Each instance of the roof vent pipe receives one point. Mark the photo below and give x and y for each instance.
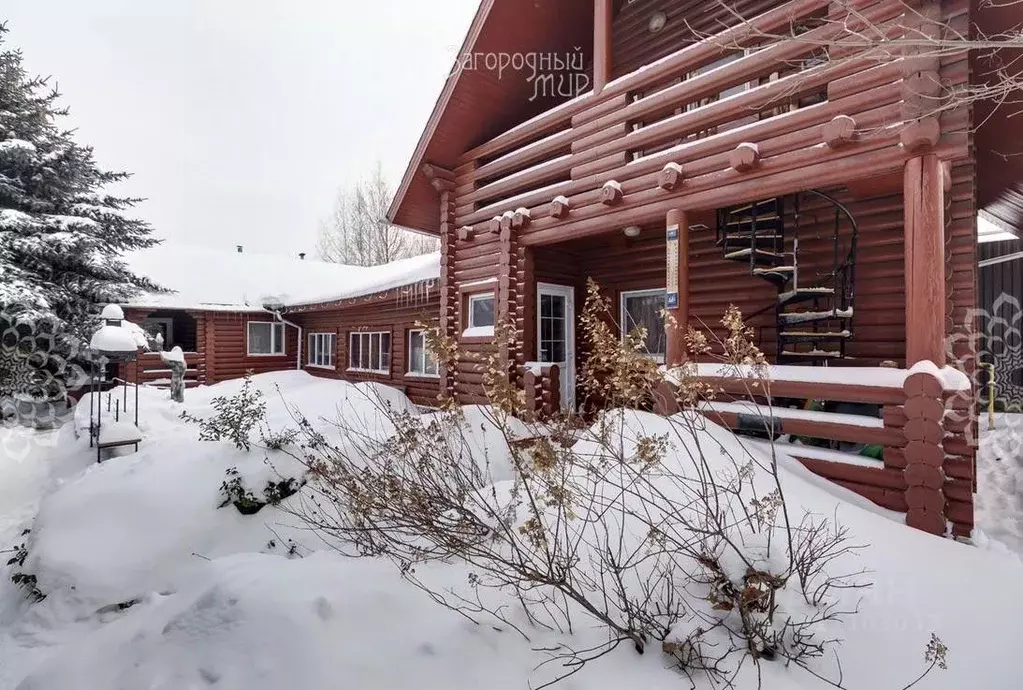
(239, 248)
(301, 255)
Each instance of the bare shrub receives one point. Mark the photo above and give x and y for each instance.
(668, 532)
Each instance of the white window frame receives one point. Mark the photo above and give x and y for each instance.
(277, 337)
(368, 335)
(319, 349)
(623, 319)
(421, 372)
(472, 329)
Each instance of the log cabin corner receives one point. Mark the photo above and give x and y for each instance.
(707, 164)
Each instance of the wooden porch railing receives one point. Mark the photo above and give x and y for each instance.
(925, 429)
(542, 388)
(665, 125)
(152, 369)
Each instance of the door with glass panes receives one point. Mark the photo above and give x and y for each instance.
(555, 334)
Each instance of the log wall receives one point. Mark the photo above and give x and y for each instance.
(226, 336)
(390, 312)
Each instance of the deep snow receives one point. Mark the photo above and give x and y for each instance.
(220, 603)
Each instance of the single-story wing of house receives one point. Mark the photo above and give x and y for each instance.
(234, 312)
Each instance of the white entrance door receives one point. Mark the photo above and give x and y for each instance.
(555, 334)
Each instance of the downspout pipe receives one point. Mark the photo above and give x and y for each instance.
(278, 317)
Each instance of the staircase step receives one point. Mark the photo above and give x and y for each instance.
(765, 206)
(812, 336)
(794, 317)
(787, 270)
(735, 241)
(760, 256)
(804, 294)
(767, 219)
(779, 276)
(811, 355)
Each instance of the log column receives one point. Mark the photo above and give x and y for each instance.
(925, 454)
(603, 17)
(677, 283)
(925, 260)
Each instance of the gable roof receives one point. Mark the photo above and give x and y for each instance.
(476, 104)
(209, 279)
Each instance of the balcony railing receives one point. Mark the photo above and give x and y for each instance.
(682, 118)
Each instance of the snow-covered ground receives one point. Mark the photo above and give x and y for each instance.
(999, 500)
(151, 586)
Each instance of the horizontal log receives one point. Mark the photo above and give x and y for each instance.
(827, 430)
(774, 177)
(869, 476)
(810, 390)
(877, 92)
(706, 50)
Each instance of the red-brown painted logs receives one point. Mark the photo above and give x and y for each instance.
(559, 208)
(927, 476)
(611, 194)
(925, 520)
(670, 177)
(839, 131)
(924, 220)
(745, 157)
(921, 134)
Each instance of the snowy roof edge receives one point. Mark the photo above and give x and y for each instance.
(383, 278)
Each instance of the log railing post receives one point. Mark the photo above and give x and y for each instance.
(925, 453)
(925, 260)
(602, 21)
(676, 299)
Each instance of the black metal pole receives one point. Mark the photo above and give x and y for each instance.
(92, 394)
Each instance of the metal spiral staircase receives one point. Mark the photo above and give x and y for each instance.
(814, 307)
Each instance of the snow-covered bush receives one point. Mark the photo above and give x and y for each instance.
(234, 492)
(234, 416)
(665, 530)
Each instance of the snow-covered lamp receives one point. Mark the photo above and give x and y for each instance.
(112, 315)
(111, 340)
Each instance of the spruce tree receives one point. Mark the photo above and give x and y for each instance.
(61, 235)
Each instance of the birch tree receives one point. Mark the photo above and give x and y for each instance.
(357, 231)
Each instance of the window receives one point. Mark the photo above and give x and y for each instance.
(321, 349)
(421, 361)
(266, 338)
(642, 309)
(481, 311)
(370, 352)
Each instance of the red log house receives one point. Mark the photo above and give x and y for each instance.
(258, 313)
(745, 152)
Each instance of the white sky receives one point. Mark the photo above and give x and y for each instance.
(241, 118)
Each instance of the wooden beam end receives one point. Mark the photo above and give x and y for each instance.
(839, 132)
(745, 157)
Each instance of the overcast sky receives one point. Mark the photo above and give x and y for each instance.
(240, 119)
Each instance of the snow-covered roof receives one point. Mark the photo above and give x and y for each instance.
(211, 279)
(378, 279)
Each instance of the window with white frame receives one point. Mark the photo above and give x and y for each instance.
(370, 352)
(642, 309)
(481, 310)
(265, 338)
(421, 360)
(321, 349)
